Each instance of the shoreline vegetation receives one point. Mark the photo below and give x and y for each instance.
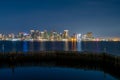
(102, 61)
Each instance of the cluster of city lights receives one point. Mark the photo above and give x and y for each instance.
(36, 35)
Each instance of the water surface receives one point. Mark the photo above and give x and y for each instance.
(36, 46)
(52, 73)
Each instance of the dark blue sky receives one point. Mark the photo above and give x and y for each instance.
(102, 17)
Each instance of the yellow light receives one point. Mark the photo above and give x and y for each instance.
(72, 39)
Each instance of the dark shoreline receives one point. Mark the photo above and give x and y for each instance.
(60, 55)
(98, 61)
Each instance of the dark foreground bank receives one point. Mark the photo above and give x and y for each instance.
(61, 56)
(102, 61)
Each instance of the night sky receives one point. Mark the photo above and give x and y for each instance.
(102, 17)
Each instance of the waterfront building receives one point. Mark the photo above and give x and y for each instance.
(32, 33)
(78, 37)
(89, 35)
(42, 35)
(20, 35)
(54, 36)
(46, 34)
(65, 35)
(1, 36)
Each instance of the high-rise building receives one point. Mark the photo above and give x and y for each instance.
(20, 35)
(78, 37)
(89, 35)
(66, 34)
(45, 34)
(42, 35)
(32, 32)
(1, 36)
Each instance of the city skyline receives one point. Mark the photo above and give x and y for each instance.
(102, 17)
(65, 35)
(42, 36)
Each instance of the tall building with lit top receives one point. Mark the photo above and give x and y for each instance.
(42, 35)
(1, 36)
(89, 35)
(78, 37)
(45, 34)
(66, 34)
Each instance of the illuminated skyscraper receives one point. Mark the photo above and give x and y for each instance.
(66, 34)
(1, 36)
(89, 35)
(78, 37)
(45, 34)
(32, 32)
(42, 35)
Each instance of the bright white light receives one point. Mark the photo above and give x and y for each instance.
(14, 39)
(78, 37)
(25, 34)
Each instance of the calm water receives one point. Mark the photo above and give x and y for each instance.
(52, 73)
(55, 73)
(29, 46)
(109, 47)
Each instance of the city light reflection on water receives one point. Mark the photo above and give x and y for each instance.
(36, 46)
(79, 46)
(52, 70)
(66, 46)
(25, 47)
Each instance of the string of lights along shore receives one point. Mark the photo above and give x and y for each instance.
(37, 35)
